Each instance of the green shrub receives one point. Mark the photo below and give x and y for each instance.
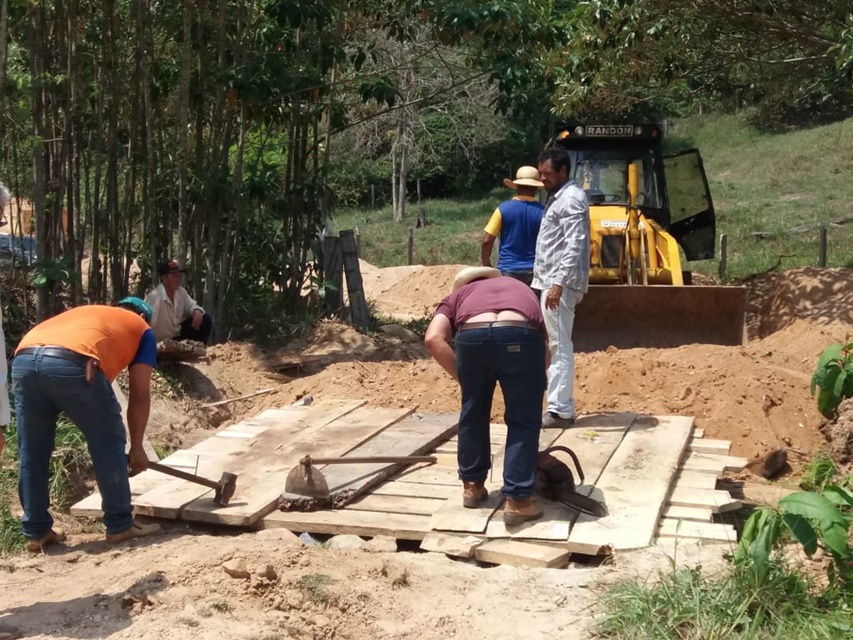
(833, 377)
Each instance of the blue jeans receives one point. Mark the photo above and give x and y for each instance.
(43, 386)
(515, 358)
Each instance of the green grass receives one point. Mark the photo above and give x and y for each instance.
(70, 465)
(316, 587)
(687, 604)
(452, 237)
(818, 473)
(760, 183)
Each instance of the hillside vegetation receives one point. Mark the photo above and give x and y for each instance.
(772, 191)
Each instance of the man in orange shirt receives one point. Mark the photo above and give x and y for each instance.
(67, 364)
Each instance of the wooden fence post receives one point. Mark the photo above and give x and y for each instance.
(411, 246)
(358, 241)
(821, 255)
(724, 241)
(333, 272)
(373, 196)
(355, 287)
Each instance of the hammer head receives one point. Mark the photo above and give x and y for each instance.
(225, 488)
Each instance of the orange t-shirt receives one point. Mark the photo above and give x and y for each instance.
(111, 335)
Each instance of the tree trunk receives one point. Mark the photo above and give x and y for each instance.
(183, 123)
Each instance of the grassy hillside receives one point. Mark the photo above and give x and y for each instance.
(766, 188)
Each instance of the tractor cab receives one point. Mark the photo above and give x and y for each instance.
(672, 190)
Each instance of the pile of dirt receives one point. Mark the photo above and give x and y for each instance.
(839, 434)
(821, 296)
(757, 396)
(408, 292)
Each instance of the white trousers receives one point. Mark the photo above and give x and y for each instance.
(561, 374)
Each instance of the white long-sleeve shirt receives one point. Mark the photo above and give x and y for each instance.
(168, 315)
(563, 245)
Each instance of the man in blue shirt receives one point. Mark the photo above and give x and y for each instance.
(517, 222)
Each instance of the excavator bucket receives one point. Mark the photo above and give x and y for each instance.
(659, 316)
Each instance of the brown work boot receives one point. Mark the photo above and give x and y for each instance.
(137, 530)
(474, 494)
(518, 511)
(54, 535)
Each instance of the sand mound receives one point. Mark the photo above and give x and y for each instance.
(822, 296)
(408, 292)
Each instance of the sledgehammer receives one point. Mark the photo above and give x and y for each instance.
(224, 488)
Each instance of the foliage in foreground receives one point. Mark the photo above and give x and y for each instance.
(833, 377)
(69, 465)
(687, 604)
(761, 596)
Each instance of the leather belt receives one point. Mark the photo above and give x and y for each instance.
(523, 324)
(56, 352)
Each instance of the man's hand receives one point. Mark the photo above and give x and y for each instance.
(552, 298)
(197, 316)
(138, 460)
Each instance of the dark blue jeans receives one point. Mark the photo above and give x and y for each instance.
(43, 386)
(515, 358)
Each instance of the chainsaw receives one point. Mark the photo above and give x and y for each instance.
(555, 481)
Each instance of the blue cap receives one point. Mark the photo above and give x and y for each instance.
(139, 305)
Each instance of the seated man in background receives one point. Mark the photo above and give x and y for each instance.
(176, 315)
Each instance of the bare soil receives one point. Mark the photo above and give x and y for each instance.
(757, 396)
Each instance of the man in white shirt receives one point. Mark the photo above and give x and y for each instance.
(176, 315)
(561, 272)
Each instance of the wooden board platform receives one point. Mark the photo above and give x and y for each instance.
(654, 473)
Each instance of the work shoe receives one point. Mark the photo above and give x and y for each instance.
(137, 530)
(54, 535)
(522, 510)
(474, 494)
(551, 420)
(8, 632)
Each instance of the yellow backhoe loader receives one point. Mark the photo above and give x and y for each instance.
(647, 209)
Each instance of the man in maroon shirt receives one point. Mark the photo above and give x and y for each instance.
(500, 337)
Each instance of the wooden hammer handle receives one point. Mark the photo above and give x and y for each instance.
(377, 459)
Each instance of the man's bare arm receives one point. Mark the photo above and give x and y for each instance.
(486, 249)
(437, 340)
(138, 409)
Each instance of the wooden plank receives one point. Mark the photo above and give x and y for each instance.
(717, 501)
(397, 504)
(360, 523)
(430, 474)
(521, 554)
(695, 480)
(716, 447)
(709, 463)
(453, 516)
(635, 483)
(414, 490)
(450, 544)
(701, 514)
(415, 435)
(702, 530)
(263, 470)
(594, 441)
(297, 425)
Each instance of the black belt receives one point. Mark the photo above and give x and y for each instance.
(523, 324)
(56, 352)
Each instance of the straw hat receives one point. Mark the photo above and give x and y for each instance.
(469, 274)
(526, 177)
